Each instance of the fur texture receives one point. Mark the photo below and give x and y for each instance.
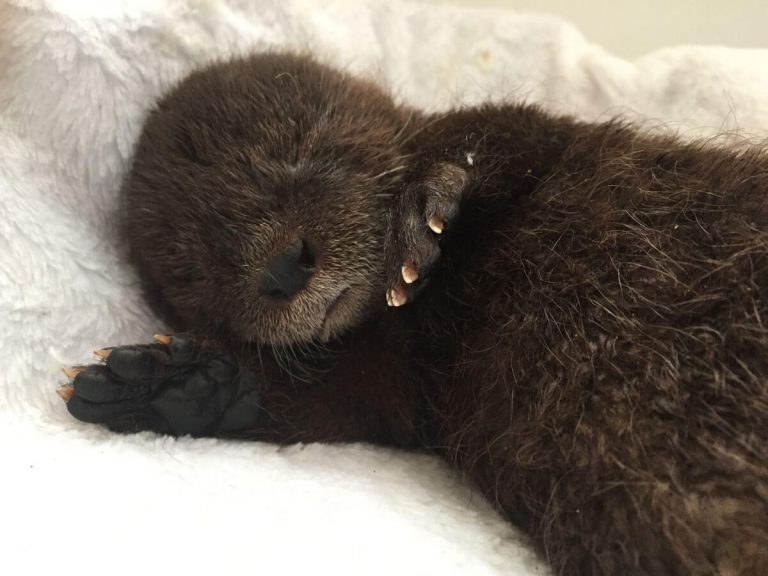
(615, 348)
(603, 373)
(77, 81)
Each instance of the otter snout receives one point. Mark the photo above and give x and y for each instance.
(288, 273)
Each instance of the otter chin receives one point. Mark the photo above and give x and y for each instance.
(316, 318)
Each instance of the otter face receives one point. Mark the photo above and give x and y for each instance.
(258, 198)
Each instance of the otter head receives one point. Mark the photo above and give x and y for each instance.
(258, 197)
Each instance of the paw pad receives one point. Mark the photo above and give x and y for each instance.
(172, 386)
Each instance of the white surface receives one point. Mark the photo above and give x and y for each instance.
(75, 80)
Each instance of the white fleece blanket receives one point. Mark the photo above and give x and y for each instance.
(75, 82)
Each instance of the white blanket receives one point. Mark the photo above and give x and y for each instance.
(75, 82)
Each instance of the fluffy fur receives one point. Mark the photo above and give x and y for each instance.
(602, 374)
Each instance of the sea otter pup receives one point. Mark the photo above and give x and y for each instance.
(572, 314)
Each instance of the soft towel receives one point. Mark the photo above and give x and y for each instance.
(76, 80)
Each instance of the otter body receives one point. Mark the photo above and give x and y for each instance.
(571, 314)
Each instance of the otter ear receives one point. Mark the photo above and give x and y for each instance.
(192, 272)
(194, 142)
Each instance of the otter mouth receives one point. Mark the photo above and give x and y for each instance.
(332, 311)
(335, 304)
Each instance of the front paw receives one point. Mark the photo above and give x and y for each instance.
(419, 219)
(173, 386)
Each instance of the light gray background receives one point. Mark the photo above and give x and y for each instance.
(632, 28)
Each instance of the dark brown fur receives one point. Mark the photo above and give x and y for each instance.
(591, 349)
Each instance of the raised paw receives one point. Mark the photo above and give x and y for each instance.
(423, 213)
(172, 386)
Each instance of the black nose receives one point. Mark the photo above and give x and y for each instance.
(288, 272)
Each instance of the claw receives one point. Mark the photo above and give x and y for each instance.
(410, 273)
(70, 371)
(103, 353)
(164, 339)
(436, 224)
(66, 392)
(396, 298)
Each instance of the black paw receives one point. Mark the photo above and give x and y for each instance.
(422, 214)
(172, 386)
